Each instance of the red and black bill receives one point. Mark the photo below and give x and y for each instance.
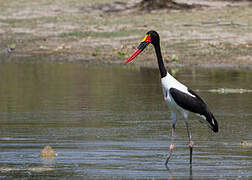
(145, 42)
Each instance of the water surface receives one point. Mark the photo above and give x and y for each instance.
(111, 122)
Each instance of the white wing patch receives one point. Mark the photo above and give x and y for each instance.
(202, 116)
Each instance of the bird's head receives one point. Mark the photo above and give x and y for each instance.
(150, 37)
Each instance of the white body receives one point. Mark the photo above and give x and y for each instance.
(170, 82)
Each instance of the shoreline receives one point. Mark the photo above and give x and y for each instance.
(214, 36)
(43, 58)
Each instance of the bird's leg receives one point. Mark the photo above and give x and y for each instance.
(171, 145)
(190, 141)
(172, 138)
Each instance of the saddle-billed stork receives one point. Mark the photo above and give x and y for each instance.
(180, 98)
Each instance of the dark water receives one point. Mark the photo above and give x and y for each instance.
(109, 122)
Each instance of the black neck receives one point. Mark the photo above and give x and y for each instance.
(161, 66)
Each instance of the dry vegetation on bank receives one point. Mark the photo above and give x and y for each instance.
(216, 32)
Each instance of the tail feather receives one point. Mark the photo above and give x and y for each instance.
(213, 124)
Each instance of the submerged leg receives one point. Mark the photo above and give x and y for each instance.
(172, 137)
(190, 141)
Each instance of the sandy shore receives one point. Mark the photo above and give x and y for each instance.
(214, 34)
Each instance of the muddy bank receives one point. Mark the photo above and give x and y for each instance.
(217, 34)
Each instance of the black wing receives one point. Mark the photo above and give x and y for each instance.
(194, 104)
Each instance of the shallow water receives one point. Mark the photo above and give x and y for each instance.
(111, 122)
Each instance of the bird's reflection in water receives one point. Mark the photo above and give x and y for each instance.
(191, 174)
(171, 177)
